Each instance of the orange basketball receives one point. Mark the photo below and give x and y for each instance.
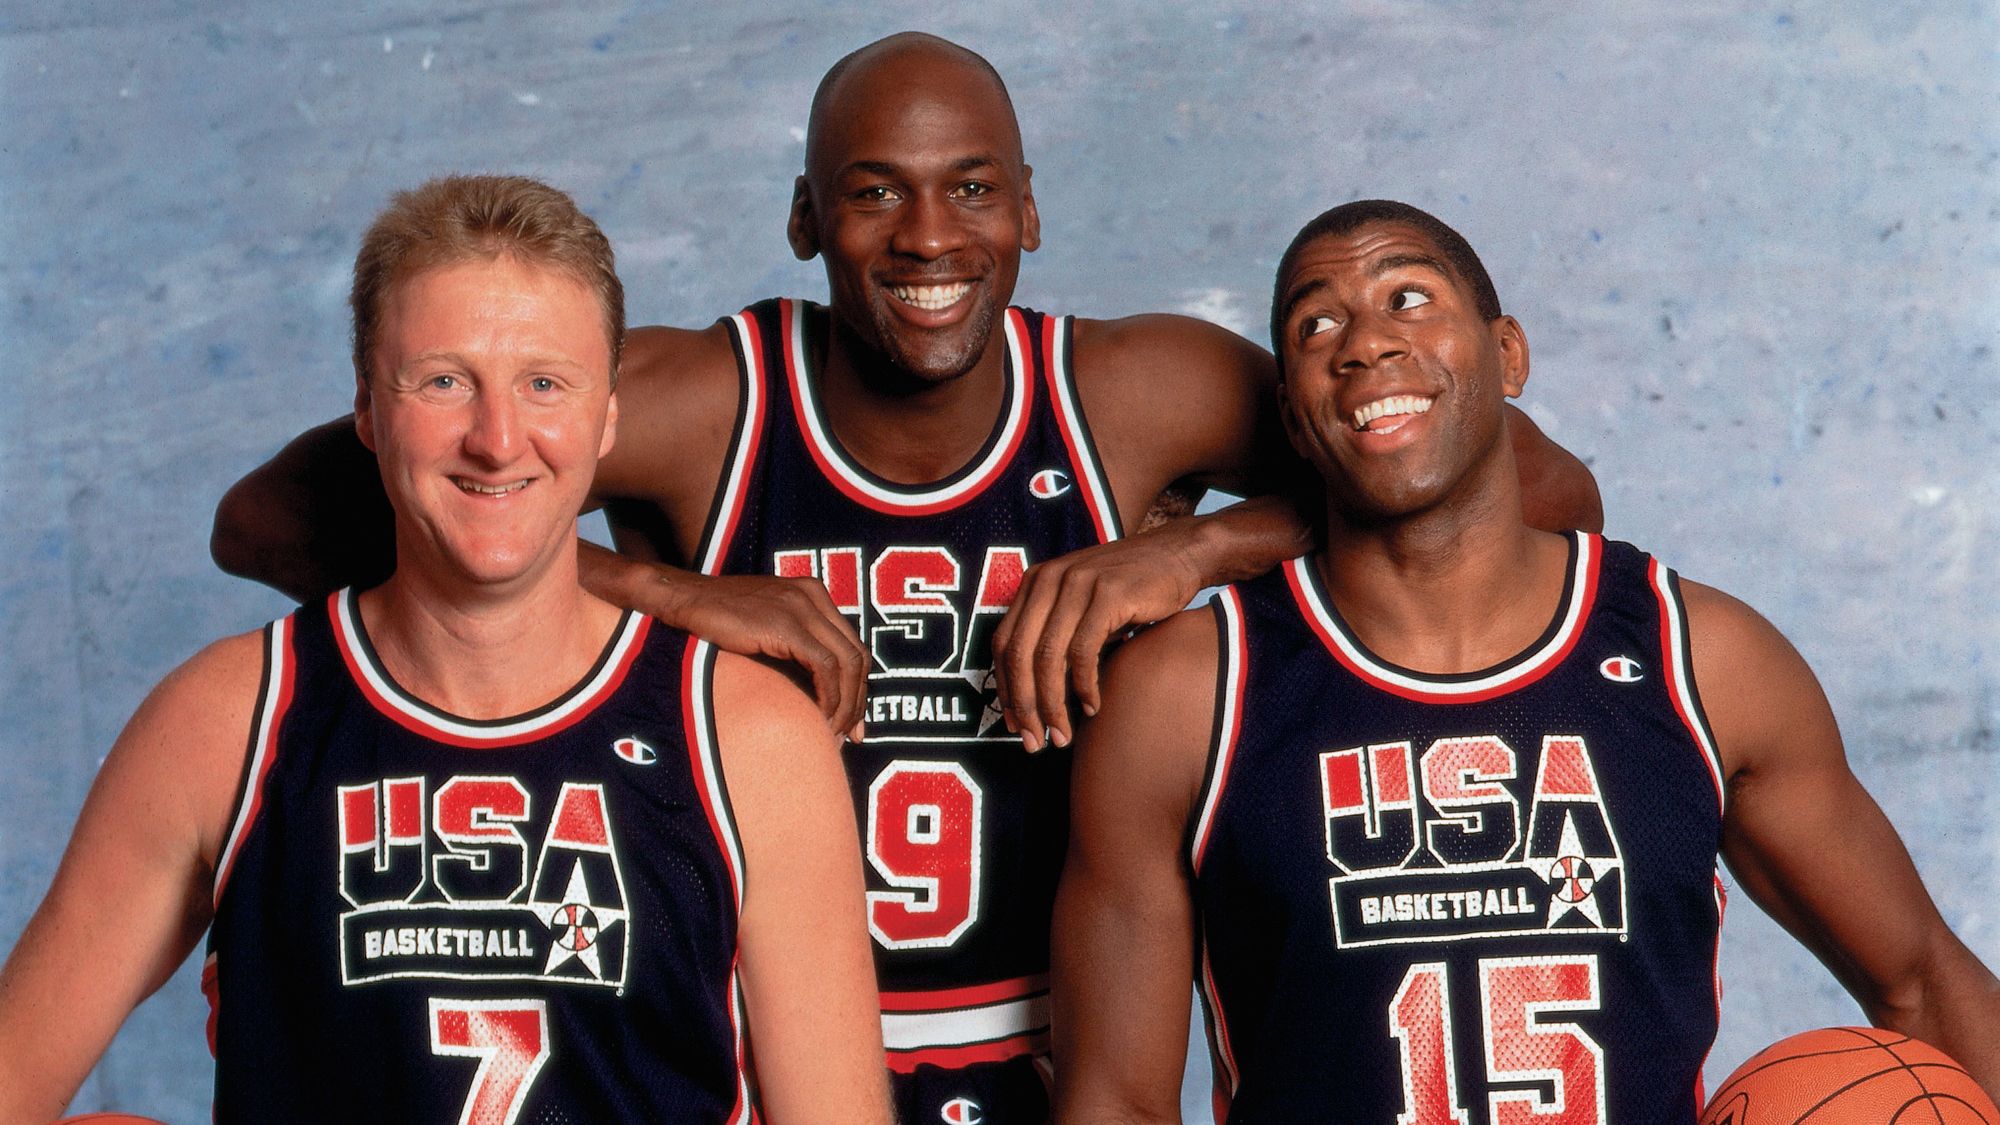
(107, 1119)
(1850, 1076)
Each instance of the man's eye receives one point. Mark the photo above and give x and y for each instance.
(877, 193)
(442, 382)
(973, 189)
(541, 384)
(1406, 299)
(1314, 325)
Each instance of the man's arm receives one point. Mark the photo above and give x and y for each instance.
(1122, 960)
(1179, 406)
(808, 977)
(1814, 850)
(311, 519)
(131, 897)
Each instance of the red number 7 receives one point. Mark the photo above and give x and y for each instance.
(510, 1038)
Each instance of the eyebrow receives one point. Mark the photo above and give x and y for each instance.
(1386, 265)
(888, 168)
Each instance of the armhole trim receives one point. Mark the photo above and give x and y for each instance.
(1231, 669)
(726, 512)
(1058, 337)
(274, 699)
(1677, 658)
(705, 764)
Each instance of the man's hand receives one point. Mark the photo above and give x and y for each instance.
(787, 619)
(1068, 609)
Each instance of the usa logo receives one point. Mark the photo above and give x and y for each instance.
(1621, 670)
(635, 751)
(961, 1111)
(1047, 485)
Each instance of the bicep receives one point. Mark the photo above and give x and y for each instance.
(1123, 950)
(1800, 832)
(131, 896)
(809, 981)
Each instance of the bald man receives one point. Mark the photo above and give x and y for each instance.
(921, 495)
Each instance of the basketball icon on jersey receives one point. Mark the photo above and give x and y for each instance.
(1436, 847)
(1048, 484)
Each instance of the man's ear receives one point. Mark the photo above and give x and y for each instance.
(1513, 344)
(1031, 219)
(610, 427)
(800, 228)
(364, 413)
(1285, 416)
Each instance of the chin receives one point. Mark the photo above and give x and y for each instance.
(939, 356)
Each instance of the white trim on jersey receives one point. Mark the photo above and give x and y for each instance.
(1229, 717)
(984, 1023)
(698, 672)
(1527, 666)
(1018, 377)
(272, 701)
(1069, 416)
(736, 482)
(1680, 673)
(384, 690)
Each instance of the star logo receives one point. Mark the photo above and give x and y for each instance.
(575, 925)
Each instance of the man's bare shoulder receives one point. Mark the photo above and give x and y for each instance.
(678, 390)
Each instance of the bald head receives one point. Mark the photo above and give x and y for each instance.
(897, 68)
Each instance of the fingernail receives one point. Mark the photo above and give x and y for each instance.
(1058, 738)
(1090, 709)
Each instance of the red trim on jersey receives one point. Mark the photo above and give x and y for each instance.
(737, 483)
(1534, 667)
(1721, 907)
(528, 730)
(944, 999)
(268, 716)
(1679, 688)
(696, 697)
(1222, 1056)
(1014, 424)
(970, 1054)
(1237, 653)
(1081, 462)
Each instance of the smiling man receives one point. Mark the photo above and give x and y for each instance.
(472, 845)
(921, 493)
(1432, 814)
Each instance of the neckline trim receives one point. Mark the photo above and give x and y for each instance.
(873, 491)
(1524, 668)
(395, 702)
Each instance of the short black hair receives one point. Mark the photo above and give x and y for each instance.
(1458, 253)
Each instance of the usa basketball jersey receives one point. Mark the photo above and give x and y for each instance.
(963, 831)
(430, 919)
(1475, 899)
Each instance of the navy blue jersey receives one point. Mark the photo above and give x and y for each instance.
(962, 830)
(1463, 899)
(430, 919)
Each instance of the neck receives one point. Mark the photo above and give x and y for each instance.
(900, 426)
(486, 653)
(1456, 588)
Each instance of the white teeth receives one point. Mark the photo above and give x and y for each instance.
(491, 489)
(1394, 404)
(931, 298)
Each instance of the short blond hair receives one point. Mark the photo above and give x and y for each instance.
(458, 218)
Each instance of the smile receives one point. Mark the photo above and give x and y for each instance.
(931, 298)
(478, 489)
(1397, 408)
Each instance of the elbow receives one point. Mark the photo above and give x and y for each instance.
(231, 542)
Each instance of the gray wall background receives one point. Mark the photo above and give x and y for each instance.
(1753, 244)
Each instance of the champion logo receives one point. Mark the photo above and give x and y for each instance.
(1622, 670)
(963, 1111)
(635, 751)
(1047, 485)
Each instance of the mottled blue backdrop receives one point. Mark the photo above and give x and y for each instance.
(1753, 244)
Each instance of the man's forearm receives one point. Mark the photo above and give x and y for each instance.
(1245, 539)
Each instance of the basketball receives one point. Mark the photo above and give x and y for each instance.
(1850, 1076)
(108, 1119)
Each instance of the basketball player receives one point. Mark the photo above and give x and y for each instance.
(463, 842)
(1432, 814)
(915, 459)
